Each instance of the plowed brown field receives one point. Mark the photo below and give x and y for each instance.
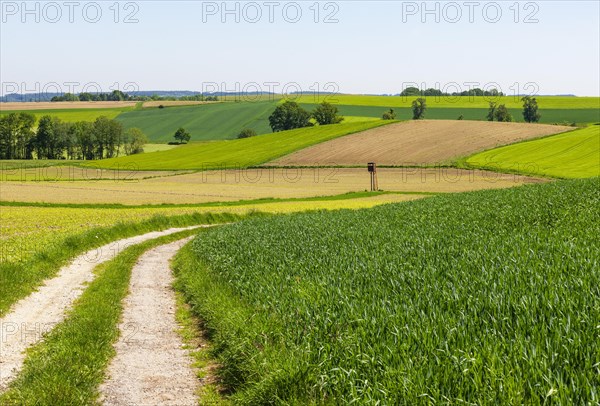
(424, 142)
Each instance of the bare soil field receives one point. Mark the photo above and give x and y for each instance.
(71, 173)
(423, 142)
(234, 185)
(64, 105)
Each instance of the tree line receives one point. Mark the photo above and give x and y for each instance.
(499, 112)
(117, 95)
(496, 112)
(290, 115)
(415, 91)
(56, 139)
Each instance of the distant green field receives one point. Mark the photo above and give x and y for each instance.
(204, 122)
(72, 115)
(570, 155)
(405, 113)
(237, 153)
(10, 164)
(158, 147)
(545, 102)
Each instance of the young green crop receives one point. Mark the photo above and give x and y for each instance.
(219, 121)
(485, 297)
(570, 155)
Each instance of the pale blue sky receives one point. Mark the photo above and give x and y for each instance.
(375, 47)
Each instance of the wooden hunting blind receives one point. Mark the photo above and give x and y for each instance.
(372, 167)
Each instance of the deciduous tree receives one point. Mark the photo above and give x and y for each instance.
(530, 109)
(418, 107)
(288, 116)
(326, 113)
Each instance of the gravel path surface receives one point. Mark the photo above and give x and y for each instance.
(31, 317)
(151, 366)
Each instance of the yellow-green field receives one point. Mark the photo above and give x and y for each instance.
(512, 102)
(74, 115)
(26, 229)
(571, 155)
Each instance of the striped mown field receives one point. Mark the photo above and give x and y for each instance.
(572, 155)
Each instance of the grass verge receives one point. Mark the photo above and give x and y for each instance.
(69, 365)
(211, 391)
(20, 279)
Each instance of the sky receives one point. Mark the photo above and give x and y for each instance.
(370, 47)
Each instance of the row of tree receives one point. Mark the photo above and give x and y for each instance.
(55, 139)
(496, 112)
(499, 112)
(290, 115)
(418, 108)
(117, 95)
(415, 91)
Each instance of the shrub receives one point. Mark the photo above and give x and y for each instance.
(247, 133)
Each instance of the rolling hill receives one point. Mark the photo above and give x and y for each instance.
(239, 153)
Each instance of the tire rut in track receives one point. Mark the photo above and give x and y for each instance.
(151, 367)
(30, 318)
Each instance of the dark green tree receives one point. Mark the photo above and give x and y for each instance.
(16, 136)
(530, 109)
(411, 91)
(46, 140)
(86, 96)
(182, 136)
(326, 113)
(491, 111)
(418, 107)
(389, 115)
(288, 116)
(117, 95)
(84, 134)
(133, 141)
(501, 114)
(101, 131)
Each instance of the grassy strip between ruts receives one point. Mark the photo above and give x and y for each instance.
(69, 365)
(20, 279)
